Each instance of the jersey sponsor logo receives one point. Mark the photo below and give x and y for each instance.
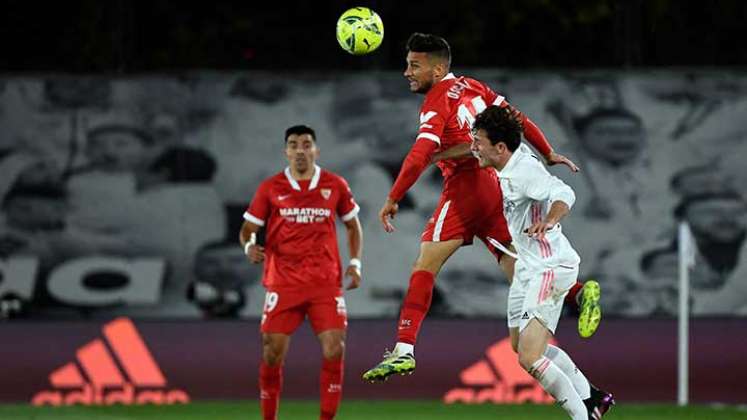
(122, 372)
(283, 197)
(326, 193)
(493, 380)
(305, 214)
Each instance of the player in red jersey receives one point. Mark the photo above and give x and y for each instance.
(302, 269)
(471, 200)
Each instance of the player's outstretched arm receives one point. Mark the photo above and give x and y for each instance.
(417, 159)
(355, 247)
(557, 158)
(248, 239)
(458, 151)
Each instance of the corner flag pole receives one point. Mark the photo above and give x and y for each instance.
(686, 250)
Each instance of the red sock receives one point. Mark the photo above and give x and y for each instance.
(270, 384)
(570, 298)
(330, 388)
(415, 307)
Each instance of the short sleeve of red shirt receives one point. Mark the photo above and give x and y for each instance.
(259, 210)
(347, 208)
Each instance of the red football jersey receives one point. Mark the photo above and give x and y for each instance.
(447, 115)
(300, 240)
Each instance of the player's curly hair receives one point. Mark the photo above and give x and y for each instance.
(502, 124)
(434, 45)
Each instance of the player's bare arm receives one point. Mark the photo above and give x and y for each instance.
(558, 210)
(355, 246)
(247, 237)
(458, 151)
(463, 150)
(556, 158)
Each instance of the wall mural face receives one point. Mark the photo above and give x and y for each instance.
(125, 196)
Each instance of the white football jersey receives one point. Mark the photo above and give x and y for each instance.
(528, 192)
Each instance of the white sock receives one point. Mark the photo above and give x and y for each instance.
(554, 381)
(404, 348)
(564, 362)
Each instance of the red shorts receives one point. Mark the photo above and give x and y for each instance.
(471, 204)
(285, 310)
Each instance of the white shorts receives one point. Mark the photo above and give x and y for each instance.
(538, 294)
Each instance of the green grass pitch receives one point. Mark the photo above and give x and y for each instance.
(360, 410)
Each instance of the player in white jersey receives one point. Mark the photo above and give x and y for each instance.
(534, 202)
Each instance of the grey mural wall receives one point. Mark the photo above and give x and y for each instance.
(125, 195)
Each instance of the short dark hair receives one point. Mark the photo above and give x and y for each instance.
(431, 44)
(299, 130)
(501, 125)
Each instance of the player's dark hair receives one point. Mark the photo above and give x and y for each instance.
(433, 45)
(299, 130)
(501, 125)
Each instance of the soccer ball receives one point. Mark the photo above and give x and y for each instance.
(360, 30)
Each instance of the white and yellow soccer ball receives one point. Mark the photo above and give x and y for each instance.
(360, 30)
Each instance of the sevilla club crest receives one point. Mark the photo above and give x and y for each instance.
(326, 193)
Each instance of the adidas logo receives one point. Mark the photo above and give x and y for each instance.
(118, 370)
(497, 379)
(525, 316)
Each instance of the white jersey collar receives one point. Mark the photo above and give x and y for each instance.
(314, 178)
(515, 157)
(449, 76)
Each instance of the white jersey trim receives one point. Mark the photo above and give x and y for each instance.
(499, 100)
(440, 222)
(254, 219)
(314, 178)
(429, 136)
(351, 214)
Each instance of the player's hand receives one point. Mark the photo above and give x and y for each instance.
(557, 158)
(538, 230)
(355, 277)
(256, 254)
(387, 213)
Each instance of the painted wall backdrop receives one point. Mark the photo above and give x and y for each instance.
(124, 196)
